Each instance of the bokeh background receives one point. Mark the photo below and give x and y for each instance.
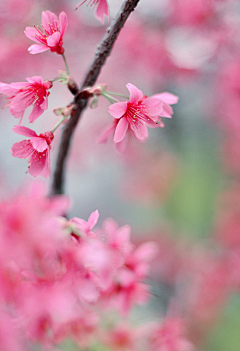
(181, 187)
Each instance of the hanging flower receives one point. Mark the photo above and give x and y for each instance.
(101, 8)
(50, 36)
(132, 117)
(23, 94)
(37, 149)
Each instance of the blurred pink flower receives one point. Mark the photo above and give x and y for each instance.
(37, 149)
(23, 94)
(85, 227)
(101, 8)
(170, 336)
(50, 36)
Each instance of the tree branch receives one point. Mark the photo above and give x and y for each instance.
(103, 51)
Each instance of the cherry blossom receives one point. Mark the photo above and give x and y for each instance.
(133, 116)
(37, 149)
(50, 36)
(23, 94)
(101, 8)
(170, 336)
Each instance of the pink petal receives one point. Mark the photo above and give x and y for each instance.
(39, 144)
(17, 114)
(46, 171)
(121, 147)
(36, 112)
(93, 218)
(135, 93)
(24, 131)
(167, 111)
(140, 131)
(63, 23)
(123, 235)
(19, 85)
(118, 109)
(35, 80)
(152, 107)
(36, 49)
(102, 10)
(22, 100)
(147, 251)
(37, 164)
(48, 18)
(106, 134)
(44, 104)
(54, 39)
(121, 130)
(22, 149)
(7, 89)
(167, 97)
(30, 33)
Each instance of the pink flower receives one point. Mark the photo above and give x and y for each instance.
(50, 36)
(37, 149)
(85, 227)
(170, 336)
(23, 94)
(134, 115)
(101, 8)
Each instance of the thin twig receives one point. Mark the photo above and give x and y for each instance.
(103, 51)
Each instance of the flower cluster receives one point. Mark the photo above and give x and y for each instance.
(35, 93)
(131, 117)
(73, 269)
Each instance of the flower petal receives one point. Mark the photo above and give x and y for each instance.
(48, 19)
(140, 130)
(36, 112)
(23, 149)
(44, 104)
(93, 218)
(102, 10)
(54, 39)
(24, 131)
(167, 111)
(46, 170)
(30, 33)
(135, 93)
(39, 144)
(22, 100)
(118, 109)
(35, 80)
(37, 163)
(36, 49)
(106, 134)
(63, 23)
(121, 130)
(17, 114)
(167, 97)
(152, 107)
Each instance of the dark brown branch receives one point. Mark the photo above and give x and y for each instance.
(103, 51)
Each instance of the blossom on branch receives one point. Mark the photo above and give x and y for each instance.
(101, 8)
(50, 36)
(37, 149)
(132, 117)
(23, 94)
